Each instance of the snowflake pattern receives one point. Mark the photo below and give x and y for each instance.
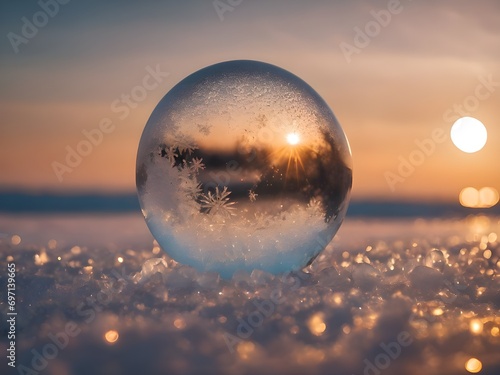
(218, 203)
(170, 153)
(315, 205)
(252, 195)
(197, 165)
(186, 147)
(180, 155)
(190, 186)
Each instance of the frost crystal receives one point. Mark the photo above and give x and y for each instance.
(204, 129)
(190, 187)
(218, 202)
(315, 205)
(252, 195)
(171, 154)
(197, 165)
(186, 147)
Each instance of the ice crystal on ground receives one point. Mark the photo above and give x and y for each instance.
(342, 317)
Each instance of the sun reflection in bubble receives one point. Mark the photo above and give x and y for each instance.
(473, 365)
(293, 139)
(291, 154)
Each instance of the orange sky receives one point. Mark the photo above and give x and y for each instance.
(405, 83)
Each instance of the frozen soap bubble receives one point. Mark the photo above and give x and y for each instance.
(243, 166)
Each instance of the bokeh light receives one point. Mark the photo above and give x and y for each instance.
(111, 336)
(486, 197)
(15, 239)
(316, 324)
(473, 365)
(469, 134)
(476, 326)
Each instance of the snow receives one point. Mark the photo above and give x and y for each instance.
(389, 297)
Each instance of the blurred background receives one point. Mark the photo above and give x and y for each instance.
(397, 75)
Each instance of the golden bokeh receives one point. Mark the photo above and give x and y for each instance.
(473, 365)
(111, 336)
(15, 239)
(476, 326)
(485, 197)
(316, 324)
(245, 349)
(179, 323)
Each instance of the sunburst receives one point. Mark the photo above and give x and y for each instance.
(291, 152)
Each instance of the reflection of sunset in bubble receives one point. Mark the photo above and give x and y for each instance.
(291, 154)
(257, 168)
(293, 138)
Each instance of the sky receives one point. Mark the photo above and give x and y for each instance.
(418, 66)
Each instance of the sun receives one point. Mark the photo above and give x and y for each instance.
(469, 134)
(290, 155)
(292, 139)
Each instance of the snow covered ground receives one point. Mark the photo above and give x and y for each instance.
(95, 295)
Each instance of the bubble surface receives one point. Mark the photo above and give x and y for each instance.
(242, 165)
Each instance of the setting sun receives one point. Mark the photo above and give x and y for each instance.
(469, 134)
(292, 138)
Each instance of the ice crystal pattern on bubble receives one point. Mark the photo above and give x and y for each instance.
(252, 196)
(197, 165)
(171, 154)
(219, 202)
(216, 203)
